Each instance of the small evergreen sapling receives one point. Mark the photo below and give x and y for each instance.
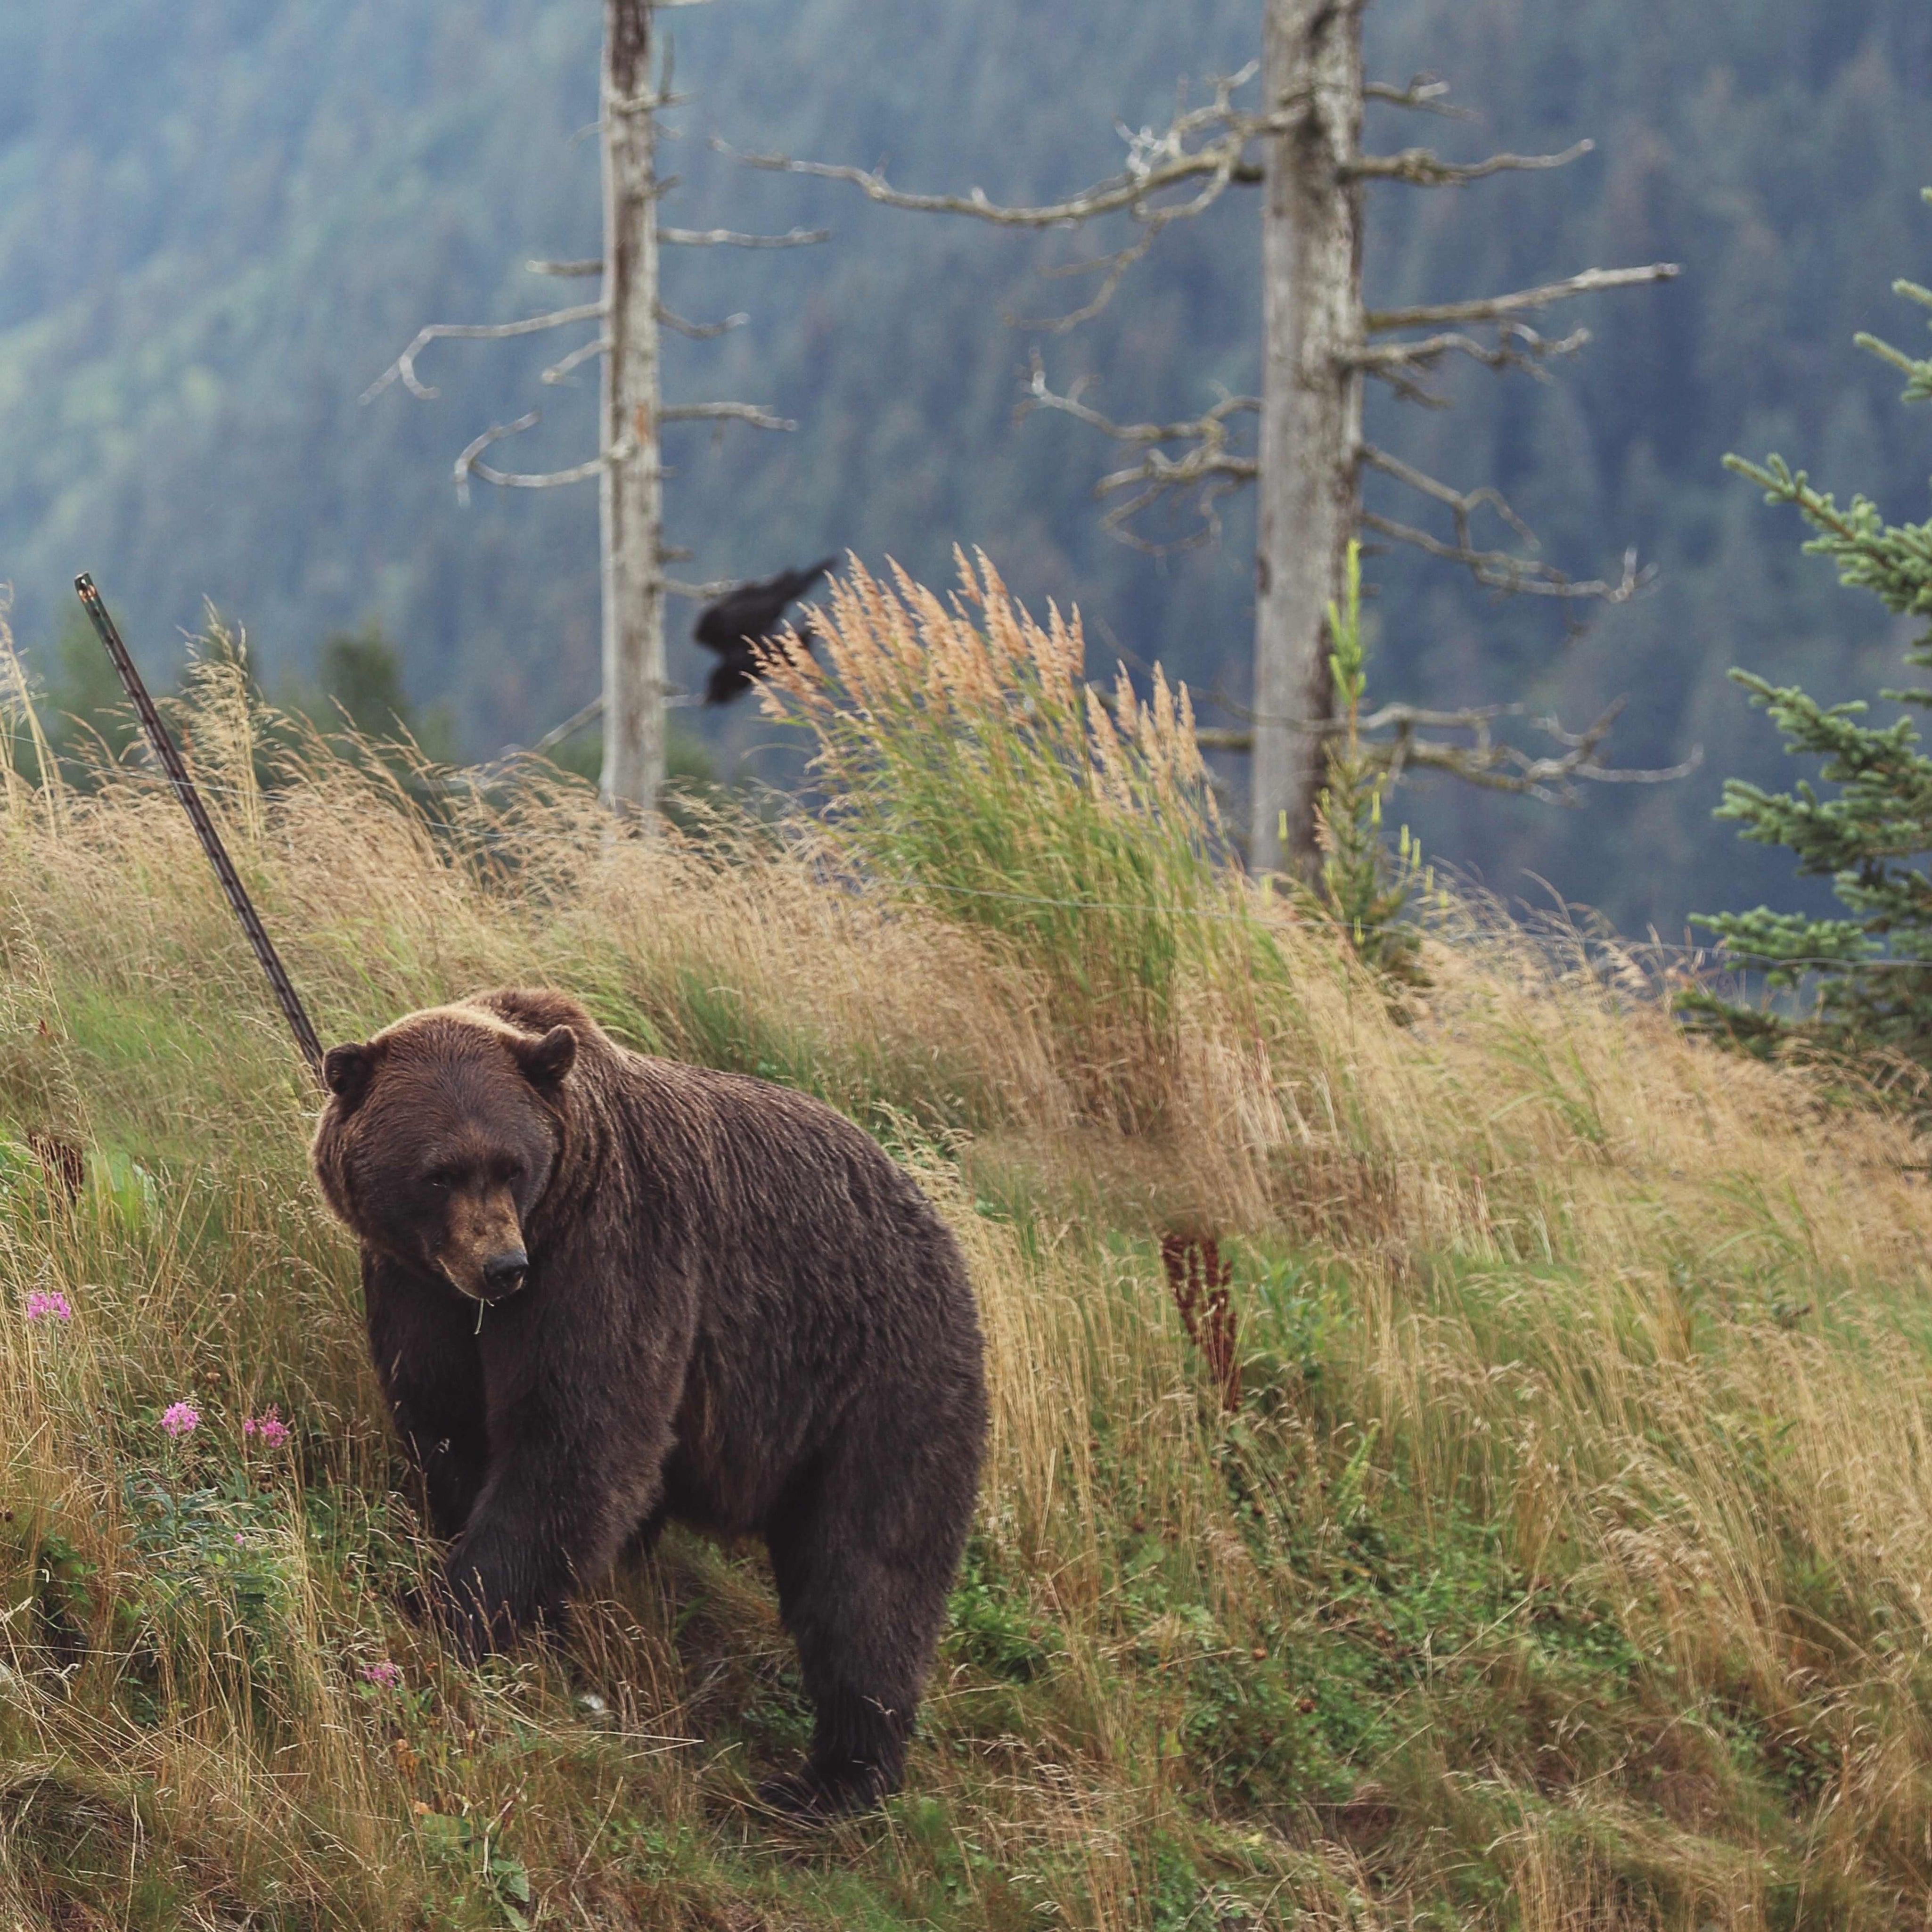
(1873, 969)
(1364, 890)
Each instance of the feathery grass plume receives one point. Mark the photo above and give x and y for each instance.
(21, 731)
(968, 766)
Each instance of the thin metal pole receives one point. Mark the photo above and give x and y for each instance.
(204, 826)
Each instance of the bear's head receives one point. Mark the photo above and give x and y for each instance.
(439, 1138)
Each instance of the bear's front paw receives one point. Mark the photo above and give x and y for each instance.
(817, 1797)
(473, 1613)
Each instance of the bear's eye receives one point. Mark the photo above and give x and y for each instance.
(442, 1178)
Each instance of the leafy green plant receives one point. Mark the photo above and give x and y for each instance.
(214, 1540)
(1366, 891)
(473, 1850)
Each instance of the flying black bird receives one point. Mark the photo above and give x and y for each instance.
(739, 622)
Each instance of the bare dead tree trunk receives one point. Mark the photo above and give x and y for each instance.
(629, 316)
(631, 485)
(1311, 406)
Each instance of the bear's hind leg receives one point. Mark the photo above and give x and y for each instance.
(863, 1566)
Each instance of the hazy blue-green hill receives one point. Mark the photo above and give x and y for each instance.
(219, 221)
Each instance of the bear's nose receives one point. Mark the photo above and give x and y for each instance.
(503, 1274)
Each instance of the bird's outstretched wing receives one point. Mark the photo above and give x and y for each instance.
(734, 624)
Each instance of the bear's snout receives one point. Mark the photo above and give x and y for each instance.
(482, 1251)
(503, 1274)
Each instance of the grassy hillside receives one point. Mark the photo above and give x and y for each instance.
(1541, 1542)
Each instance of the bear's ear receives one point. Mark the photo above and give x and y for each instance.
(346, 1072)
(546, 1061)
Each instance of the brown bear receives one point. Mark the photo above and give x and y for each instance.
(603, 1290)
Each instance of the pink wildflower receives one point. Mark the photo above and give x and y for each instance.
(273, 1431)
(181, 1418)
(237, 1539)
(385, 1674)
(45, 1302)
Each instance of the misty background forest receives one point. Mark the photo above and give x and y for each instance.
(219, 223)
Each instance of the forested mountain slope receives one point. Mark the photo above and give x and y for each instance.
(218, 221)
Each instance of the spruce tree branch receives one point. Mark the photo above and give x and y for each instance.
(404, 369)
(1423, 169)
(730, 238)
(1495, 308)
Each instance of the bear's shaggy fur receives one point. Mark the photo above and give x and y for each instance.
(603, 1290)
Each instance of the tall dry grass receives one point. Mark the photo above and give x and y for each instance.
(1565, 1564)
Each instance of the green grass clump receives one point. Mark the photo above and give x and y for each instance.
(968, 767)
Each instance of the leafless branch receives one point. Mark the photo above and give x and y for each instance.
(560, 372)
(592, 267)
(468, 464)
(1499, 570)
(1209, 462)
(730, 238)
(1494, 308)
(404, 367)
(571, 726)
(1495, 569)
(1422, 169)
(1517, 346)
(1489, 761)
(1144, 176)
(1155, 163)
(1424, 93)
(1040, 396)
(701, 331)
(700, 593)
(1493, 764)
(758, 417)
